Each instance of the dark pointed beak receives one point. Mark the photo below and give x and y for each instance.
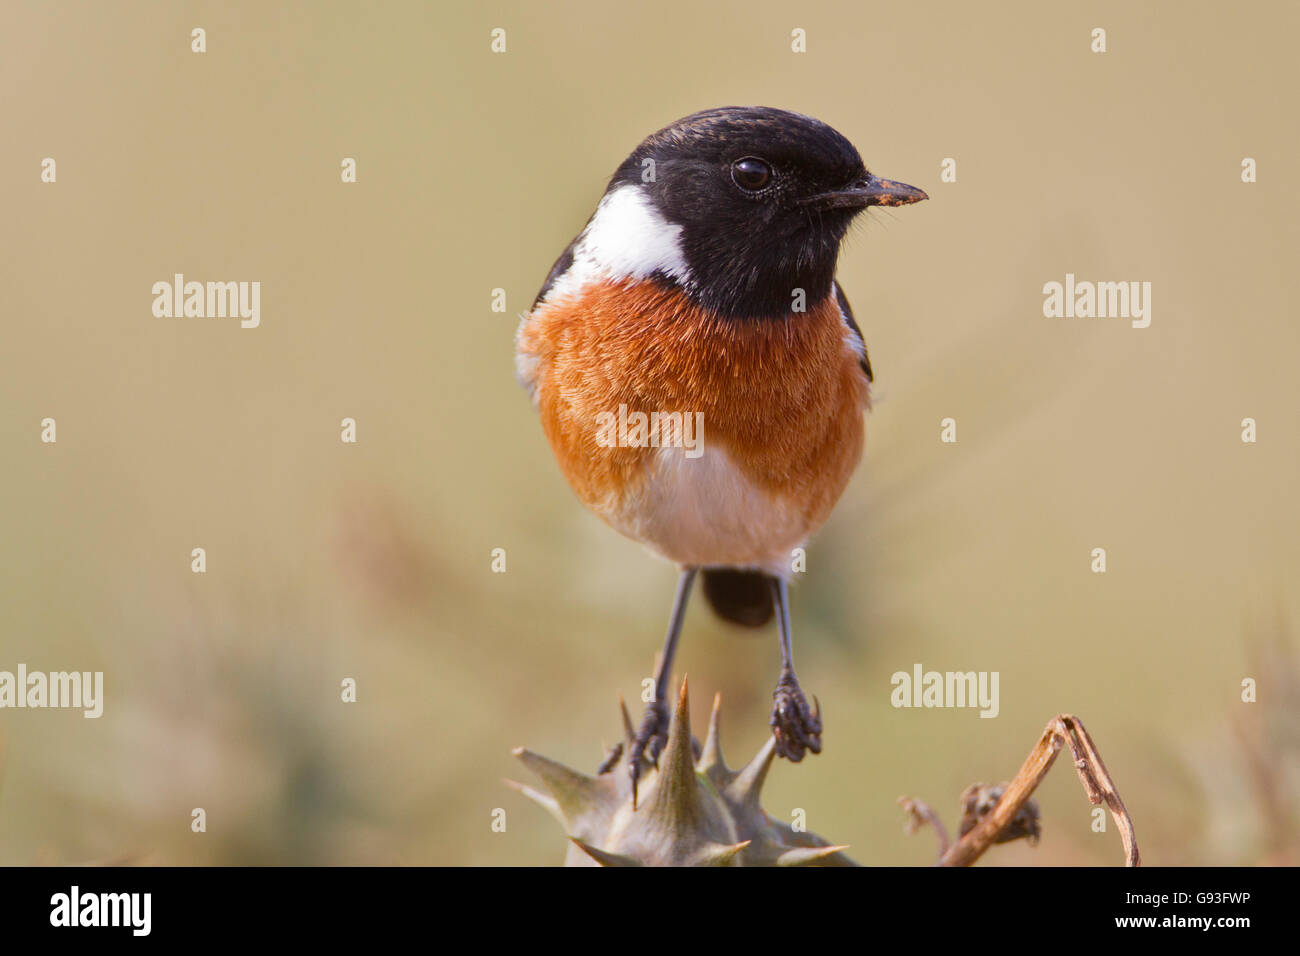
(870, 191)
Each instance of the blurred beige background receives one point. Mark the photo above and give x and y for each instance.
(371, 561)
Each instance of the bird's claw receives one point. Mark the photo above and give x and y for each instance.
(652, 737)
(795, 727)
(612, 757)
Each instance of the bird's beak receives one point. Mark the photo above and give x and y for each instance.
(870, 191)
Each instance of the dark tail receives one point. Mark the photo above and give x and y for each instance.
(741, 597)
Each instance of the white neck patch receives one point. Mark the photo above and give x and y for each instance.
(627, 238)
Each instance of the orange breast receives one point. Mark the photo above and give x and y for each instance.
(783, 398)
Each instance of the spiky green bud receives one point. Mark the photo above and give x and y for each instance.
(689, 812)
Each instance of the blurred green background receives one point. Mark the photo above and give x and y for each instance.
(372, 561)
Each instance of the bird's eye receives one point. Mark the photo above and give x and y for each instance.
(751, 174)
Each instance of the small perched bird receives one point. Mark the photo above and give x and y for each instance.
(699, 373)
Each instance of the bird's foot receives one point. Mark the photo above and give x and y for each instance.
(795, 727)
(612, 757)
(651, 737)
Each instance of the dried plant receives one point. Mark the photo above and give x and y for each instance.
(1005, 812)
(692, 811)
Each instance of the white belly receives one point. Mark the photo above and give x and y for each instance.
(704, 512)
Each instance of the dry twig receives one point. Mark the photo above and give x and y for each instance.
(1096, 780)
(919, 813)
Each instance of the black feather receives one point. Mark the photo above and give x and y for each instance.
(741, 597)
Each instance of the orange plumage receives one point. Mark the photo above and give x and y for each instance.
(781, 398)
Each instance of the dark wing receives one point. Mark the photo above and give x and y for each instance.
(560, 268)
(847, 311)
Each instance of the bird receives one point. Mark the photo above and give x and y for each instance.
(699, 373)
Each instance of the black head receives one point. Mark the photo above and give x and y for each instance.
(764, 198)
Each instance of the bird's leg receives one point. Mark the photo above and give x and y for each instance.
(795, 727)
(654, 726)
